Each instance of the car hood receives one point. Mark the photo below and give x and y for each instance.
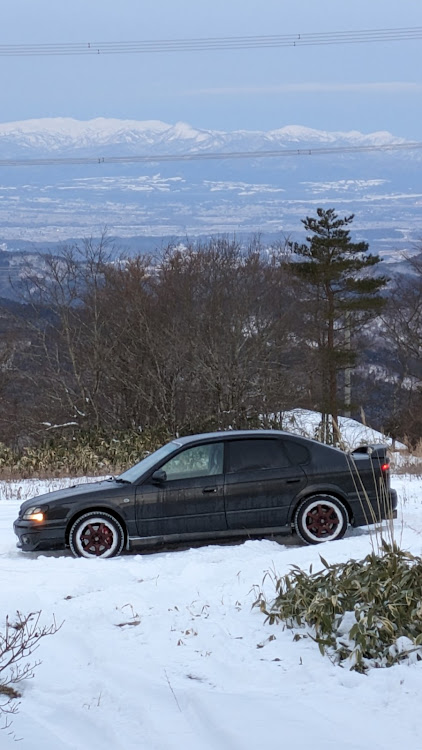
(76, 492)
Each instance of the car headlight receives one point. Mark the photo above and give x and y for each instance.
(35, 513)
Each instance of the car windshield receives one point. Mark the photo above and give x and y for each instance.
(133, 474)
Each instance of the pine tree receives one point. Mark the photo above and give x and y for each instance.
(341, 294)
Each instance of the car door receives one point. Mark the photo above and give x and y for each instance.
(260, 483)
(190, 497)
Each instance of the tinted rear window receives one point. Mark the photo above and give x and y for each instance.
(296, 452)
(253, 455)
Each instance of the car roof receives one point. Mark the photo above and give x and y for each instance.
(256, 433)
(228, 434)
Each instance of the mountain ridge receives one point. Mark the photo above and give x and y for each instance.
(56, 134)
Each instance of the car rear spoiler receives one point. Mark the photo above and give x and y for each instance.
(373, 450)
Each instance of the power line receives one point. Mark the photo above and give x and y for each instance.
(208, 156)
(364, 36)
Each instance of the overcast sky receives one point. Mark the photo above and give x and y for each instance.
(364, 87)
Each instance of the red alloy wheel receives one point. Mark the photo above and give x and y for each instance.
(98, 538)
(322, 521)
(96, 534)
(321, 518)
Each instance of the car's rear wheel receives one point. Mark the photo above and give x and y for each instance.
(96, 535)
(320, 518)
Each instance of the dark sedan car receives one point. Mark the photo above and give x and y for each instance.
(215, 485)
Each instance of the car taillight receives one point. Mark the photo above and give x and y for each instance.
(385, 467)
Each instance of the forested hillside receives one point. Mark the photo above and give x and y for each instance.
(210, 335)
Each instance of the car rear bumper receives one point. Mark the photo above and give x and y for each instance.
(393, 502)
(33, 537)
(381, 507)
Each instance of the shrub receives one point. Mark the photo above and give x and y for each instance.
(81, 453)
(363, 614)
(20, 638)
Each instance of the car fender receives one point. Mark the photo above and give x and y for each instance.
(104, 506)
(318, 489)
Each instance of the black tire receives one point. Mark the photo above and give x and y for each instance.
(321, 518)
(96, 535)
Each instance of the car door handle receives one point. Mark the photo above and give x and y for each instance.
(292, 481)
(209, 489)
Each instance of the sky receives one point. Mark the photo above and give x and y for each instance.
(365, 87)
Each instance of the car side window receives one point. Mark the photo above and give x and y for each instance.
(258, 454)
(297, 453)
(200, 461)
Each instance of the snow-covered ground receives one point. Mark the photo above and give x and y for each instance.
(163, 651)
(352, 433)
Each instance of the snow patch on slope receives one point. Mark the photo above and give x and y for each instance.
(353, 433)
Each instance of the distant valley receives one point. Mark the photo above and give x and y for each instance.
(41, 206)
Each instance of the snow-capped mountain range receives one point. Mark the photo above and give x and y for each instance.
(61, 134)
(202, 197)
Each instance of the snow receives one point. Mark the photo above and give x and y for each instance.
(73, 129)
(353, 433)
(55, 133)
(164, 651)
(343, 186)
(185, 131)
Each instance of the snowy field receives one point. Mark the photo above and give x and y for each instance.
(163, 651)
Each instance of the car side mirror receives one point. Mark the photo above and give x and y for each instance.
(159, 476)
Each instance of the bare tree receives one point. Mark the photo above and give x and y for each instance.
(236, 330)
(67, 356)
(204, 335)
(403, 331)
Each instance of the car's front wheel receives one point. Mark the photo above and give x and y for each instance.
(96, 535)
(320, 518)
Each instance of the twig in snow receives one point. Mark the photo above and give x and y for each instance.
(174, 694)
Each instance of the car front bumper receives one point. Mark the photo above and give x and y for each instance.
(35, 536)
